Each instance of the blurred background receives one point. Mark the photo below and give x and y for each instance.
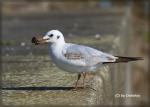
(96, 23)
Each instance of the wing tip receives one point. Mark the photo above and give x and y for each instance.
(121, 59)
(132, 58)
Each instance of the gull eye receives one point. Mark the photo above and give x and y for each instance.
(58, 37)
(51, 35)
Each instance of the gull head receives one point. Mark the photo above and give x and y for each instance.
(51, 37)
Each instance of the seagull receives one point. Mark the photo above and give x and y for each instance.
(76, 58)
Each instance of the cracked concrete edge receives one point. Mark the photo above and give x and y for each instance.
(102, 84)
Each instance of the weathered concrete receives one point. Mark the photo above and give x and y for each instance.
(43, 83)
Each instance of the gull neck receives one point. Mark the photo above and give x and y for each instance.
(57, 46)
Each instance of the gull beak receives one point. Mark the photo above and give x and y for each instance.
(38, 41)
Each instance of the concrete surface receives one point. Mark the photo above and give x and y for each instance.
(29, 77)
(33, 79)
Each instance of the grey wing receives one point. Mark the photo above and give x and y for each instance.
(85, 56)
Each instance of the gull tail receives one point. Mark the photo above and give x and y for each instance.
(122, 59)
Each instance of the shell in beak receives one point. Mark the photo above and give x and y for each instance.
(38, 41)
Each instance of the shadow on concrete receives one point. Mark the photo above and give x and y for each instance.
(37, 88)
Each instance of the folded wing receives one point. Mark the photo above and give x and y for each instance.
(85, 56)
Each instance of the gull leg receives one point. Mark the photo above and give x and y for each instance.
(84, 75)
(79, 76)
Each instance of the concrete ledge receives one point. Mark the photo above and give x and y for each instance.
(43, 83)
